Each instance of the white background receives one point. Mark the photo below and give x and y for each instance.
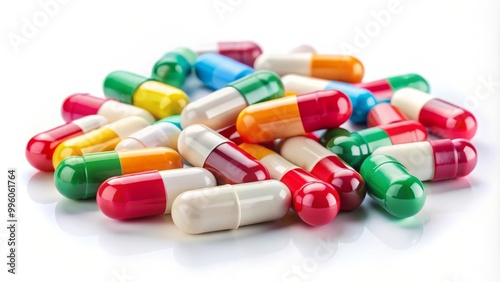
(454, 44)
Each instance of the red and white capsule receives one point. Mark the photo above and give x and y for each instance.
(203, 147)
(41, 147)
(325, 165)
(435, 159)
(440, 117)
(149, 193)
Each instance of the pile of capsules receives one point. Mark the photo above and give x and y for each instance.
(252, 149)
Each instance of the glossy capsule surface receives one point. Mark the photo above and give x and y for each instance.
(174, 67)
(216, 71)
(392, 186)
(163, 134)
(203, 147)
(354, 149)
(384, 113)
(362, 100)
(79, 177)
(325, 165)
(99, 140)
(331, 67)
(41, 147)
(149, 193)
(293, 116)
(242, 51)
(315, 201)
(383, 89)
(442, 118)
(230, 206)
(434, 160)
(174, 119)
(158, 98)
(82, 104)
(221, 108)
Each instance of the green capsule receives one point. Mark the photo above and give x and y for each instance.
(354, 149)
(332, 133)
(392, 187)
(411, 80)
(259, 86)
(174, 67)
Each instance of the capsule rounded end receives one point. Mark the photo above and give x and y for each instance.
(132, 196)
(351, 188)
(317, 203)
(462, 125)
(70, 179)
(357, 70)
(362, 106)
(39, 151)
(467, 156)
(64, 151)
(405, 197)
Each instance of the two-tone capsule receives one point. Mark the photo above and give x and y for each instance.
(331, 67)
(325, 165)
(440, 117)
(354, 149)
(162, 134)
(216, 71)
(384, 113)
(158, 98)
(41, 147)
(221, 108)
(203, 147)
(99, 140)
(434, 160)
(81, 104)
(362, 100)
(383, 89)
(79, 177)
(149, 193)
(315, 201)
(242, 51)
(392, 186)
(293, 115)
(230, 206)
(174, 67)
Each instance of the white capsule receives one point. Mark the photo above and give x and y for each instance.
(230, 206)
(304, 152)
(163, 134)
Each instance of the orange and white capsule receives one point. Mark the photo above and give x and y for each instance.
(331, 67)
(103, 139)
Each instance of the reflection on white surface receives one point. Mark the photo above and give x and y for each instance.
(122, 237)
(79, 218)
(349, 226)
(41, 188)
(226, 246)
(393, 232)
(449, 196)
